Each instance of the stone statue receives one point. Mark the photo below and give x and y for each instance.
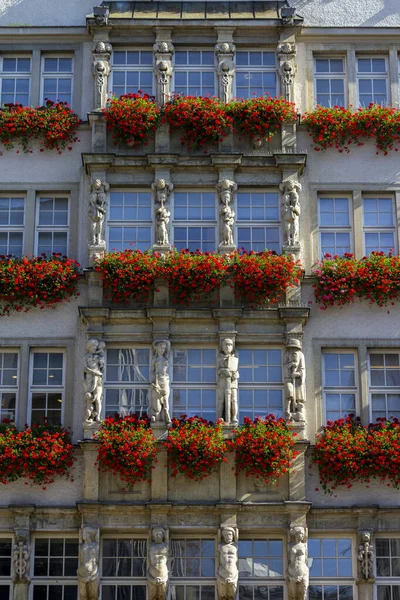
(93, 380)
(295, 376)
(160, 383)
(287, 68)
(366, 556)
(287, 77)
(21, 559)
(297, 574)
(163, 52)
(227, 573)
(157, 574)
(101, 71)
(228, 375)
(97, 210)
(88, 569)
(226, 189)
(291, 210)
(162, 190)
(225, 69)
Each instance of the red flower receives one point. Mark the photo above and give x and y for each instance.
(260, 118)
(132, 117)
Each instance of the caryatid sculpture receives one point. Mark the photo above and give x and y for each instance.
(97, 211)
(93, 380)
(287, 68)
(163, 52)
(226, 190)
(297, 574)
(225, 69)
(162, 190)
(295, 378)
(88, 568)
(366, 556)
(157, 574)
(227, 386)
(227, 572)
(21, 559)
(291, 211)
(160, 383)
(101, 71)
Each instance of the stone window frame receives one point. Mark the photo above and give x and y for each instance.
(328, 76)
(52, 228)
(380, 389)
(124, 579)
(385, 580)
(382, 229)
(340, 389)
(136, 68)
(8, 388)
(57, 75)
(261, 68)
(46, 389)
(132, 385)
(6, 580)
(148, 224)
(9, 228)
(209, 581)
(56, 580)
(255, 223)
(16, 74)
(334, 228)
(348, 581)
(193, 223)
(195, 68)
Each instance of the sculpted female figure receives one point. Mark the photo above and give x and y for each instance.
(227, 574)
(298, 568)
(160, 386)
(157, 573)
(88, 570)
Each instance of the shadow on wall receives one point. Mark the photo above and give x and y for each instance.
(54, 13)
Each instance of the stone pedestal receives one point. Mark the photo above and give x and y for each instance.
(99, 131)
(96, 252)
(289, 139)
(90, 430)
(297, 486)
(366, 589)
(227, 479)
(159, 484)
(21, 590)
(95, 287)
(91, 479)
(225, 249)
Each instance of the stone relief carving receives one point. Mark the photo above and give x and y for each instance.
(297, 573)
(287, 68)
(227, 573)
(225, 69)
(101, 15)
(162, 190)
(157, 574)
(295, 376)
(97, 211)
(366, 556)
(88, 569)
(226, 190)
(93, 380)
(101, 70)
(160, 383)
(21, 558)
(163, 52)
(291, 210)
(227, 386)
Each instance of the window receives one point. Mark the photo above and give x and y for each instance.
(388, 568)
(194, 73)
(192, 558)
(384, 375)
(52, 225)
(12, 217)
(129, 220)
(56, 559)
(329, 77)
(8, 385)
(339, 384)
(255, 74)
(379, 224)
(195, 221)
(372, 79)
(260, 559)
(194, 383)
(132, 70)
(258, 220)
(334, 225)
(127, 381)
(15, 81)
(5, 567)
(122, 559)
(47, 386)
(330, 559)
(57, 73)
(260, 383)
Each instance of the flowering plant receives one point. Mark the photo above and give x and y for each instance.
(191, 274)
(204, 120)
(36, 281)
(264, 447)
(340, 127)
(10, 459)
(195, 447)
(128, 447)
(342, 279)
(261, 278)
(54, 125)
(346, 452)
(132, 117)
(129, 274)
(261, 118)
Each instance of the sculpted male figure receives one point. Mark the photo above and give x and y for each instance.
(227, 574)
(88, 570)
(228, 375)
(97, 210)
(93, 380)
(298, 568)
(157, 573)
(160, 386)
(291, 210)
(295, 376)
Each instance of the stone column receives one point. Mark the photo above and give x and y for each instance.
(297, 560)
(161, 192)
(98, 192)
(226, 189)
(21, 553)
(291, 214)
(158, 559)
(101, 70)
(295, 381)
(227, 563)
(89, 559)
(287, 68)
(163, 51)
(225, 52)
(365, 559)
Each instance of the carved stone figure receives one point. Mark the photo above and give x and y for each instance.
(228, 375)
(295, 376)
(162, 190)
(163, 70)
(88, 569)
(297, 574)
(226, 189)
(291, 210)
(286, 48)
(160, 383)
(97, 210)
(157, 574)
(21, 559)
(93, 380)
(225, 69)
(101, 15)
(227, 573)
(287, 68)
(366, 556)
(101, 71)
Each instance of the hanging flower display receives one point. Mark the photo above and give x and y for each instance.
(262, 117)
(132, 118)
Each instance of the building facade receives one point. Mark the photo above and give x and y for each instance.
(94, 537)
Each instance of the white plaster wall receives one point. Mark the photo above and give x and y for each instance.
(45, 12)
(349, 13)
